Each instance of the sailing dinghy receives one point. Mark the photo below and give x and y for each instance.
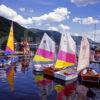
(88, 75)
(66, 58)
(9, 52)
(44, 56)
(65, 67)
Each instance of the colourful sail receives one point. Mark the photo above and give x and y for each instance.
(84, 55)
(67, 52)
(10, 43)
(46, 50)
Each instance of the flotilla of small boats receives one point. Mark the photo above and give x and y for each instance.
(63, 66)
(10, 55)
(66, 58)
(66, 67)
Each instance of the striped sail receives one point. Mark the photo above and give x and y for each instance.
(46, 50)
(84, 55)
(10, 43)
(67, 52)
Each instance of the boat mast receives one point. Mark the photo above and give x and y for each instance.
(94, 31)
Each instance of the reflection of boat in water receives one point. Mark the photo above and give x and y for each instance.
(44, 56)
(46, 86)
(24, 65)
(65, 92)
(8, 74)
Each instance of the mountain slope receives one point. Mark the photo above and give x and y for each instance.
(21, 32)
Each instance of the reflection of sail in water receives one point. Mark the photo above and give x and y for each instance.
(25, 65)
(10, 77)
(65, 92)
(45, 86)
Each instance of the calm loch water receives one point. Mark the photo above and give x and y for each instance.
(20, 82)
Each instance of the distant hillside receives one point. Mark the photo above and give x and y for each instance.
(20, 32)
(56, 36)
(53, 34)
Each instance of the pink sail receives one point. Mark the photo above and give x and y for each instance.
(46, 50)
(10, 42)
(67, 52)
(45, 53)
(67, 57)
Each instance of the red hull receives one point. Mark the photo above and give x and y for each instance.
(90, 79)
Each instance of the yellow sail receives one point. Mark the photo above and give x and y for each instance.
(46, 50)
(67, 52)
(10, 43)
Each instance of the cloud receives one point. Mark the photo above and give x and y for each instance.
(53, 28)
(22, 9)
(12, 14)
(23, 21)
(85, 2)
(57, 15)
(86, 21)
(7, 12)
(60, 28)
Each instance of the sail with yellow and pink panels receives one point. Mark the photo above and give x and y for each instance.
(67, 52)
(46, 50)
(10, 42)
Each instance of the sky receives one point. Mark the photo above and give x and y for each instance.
(76, 17)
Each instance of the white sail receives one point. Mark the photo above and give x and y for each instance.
(46, 50)
(67, 52)
(84, 55)
(45, 54)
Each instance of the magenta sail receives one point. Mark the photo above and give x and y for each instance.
(8, 49)
(68, 57)
(45, 53)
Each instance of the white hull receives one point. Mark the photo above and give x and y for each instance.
(62, 76)
(40, 67)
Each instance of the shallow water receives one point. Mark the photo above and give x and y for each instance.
(19, 82)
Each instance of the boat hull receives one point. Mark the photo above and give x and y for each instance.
(65, 77)
(59, 75)
(90, 80)
(41, 67)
